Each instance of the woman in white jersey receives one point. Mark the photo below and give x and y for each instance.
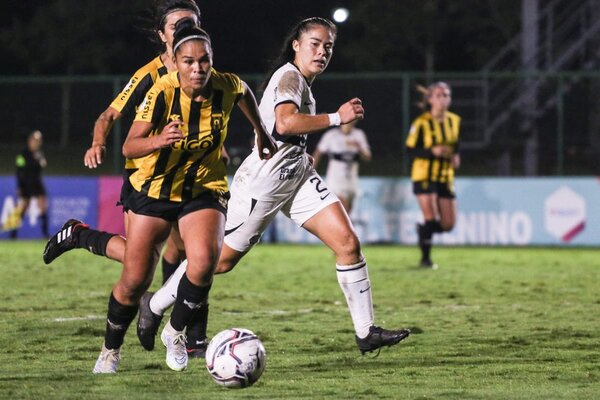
(288, 182)
(344, 146)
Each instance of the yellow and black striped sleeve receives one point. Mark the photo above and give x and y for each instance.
(415, 142)
(454, 120)
(153, 107)
(134, 92)
(233, 83)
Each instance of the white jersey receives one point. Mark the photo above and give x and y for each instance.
(287, 182)
(343, 152)
(289, 166)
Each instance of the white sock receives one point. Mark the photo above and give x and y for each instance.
(166, 295)
(355, 283)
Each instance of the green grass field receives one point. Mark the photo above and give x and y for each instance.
(490, 323)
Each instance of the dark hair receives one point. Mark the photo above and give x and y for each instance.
(155, 20)
(186, 29)
(287, 53)
(166, 7)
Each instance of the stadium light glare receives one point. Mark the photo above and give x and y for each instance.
(340, 15)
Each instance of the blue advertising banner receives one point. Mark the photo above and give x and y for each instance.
(68, 197)
(491, 211)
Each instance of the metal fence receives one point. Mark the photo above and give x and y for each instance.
(518, 123)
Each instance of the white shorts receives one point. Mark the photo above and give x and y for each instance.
(256, 197)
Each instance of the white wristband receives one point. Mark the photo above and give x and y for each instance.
(334, 119)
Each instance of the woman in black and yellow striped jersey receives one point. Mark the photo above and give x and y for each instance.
(181, 181)
(432, 144)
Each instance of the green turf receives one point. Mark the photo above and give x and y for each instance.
(490, 323)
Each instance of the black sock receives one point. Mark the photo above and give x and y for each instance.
(44, 221)
(168, 269)
(425, 236)
(94, 241)
(196, 328)
(435, 226)
(118, 319)
(189, 298)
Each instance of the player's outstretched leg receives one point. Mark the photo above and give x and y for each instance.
(63, 240)
(379, 337)
(76, 235)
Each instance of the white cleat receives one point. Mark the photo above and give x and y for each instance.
(108, 361)
(174, 341)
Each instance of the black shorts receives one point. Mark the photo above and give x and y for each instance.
(33, 189)
(126, 188)
(444, 190)
(172, 211)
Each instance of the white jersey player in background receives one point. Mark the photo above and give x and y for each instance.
(344, 146)
(288, 183)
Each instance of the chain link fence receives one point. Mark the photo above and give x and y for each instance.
(513, 124)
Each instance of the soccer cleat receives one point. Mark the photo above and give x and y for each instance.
(379, 337)
(64, 240)
(174, 341)
(198, 349)
(108, 361)
(148, 322)
(428, 264)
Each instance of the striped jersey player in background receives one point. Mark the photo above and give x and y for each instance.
(433, 144)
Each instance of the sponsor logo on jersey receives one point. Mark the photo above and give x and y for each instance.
(127, 88)
(287, 173)
(196, 144)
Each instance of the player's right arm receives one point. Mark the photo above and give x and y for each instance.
(125, 103)
(95, 154)
(289, 121)
(151, 116)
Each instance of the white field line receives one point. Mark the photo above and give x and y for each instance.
(86, 318)
(267, 312)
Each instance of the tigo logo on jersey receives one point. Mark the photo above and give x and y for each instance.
(564, 214)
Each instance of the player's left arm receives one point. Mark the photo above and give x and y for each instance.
(455, 149)
(21, 162)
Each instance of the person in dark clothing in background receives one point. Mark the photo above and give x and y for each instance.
(30, 164)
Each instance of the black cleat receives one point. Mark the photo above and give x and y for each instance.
(63, 240)
(379, 337)
(148, 322)
(198, 349)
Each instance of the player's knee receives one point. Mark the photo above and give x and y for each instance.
(225, 266)
(132, 289)
(349, 246)
(202, 267)
(447, 226)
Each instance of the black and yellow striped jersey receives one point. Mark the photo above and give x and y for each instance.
(425, 132)
(193, 165)
(134, 92)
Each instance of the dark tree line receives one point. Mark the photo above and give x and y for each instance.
(110, 36)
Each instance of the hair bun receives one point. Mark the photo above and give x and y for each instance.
(185, 23)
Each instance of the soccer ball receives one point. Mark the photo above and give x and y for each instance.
(235, 358)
